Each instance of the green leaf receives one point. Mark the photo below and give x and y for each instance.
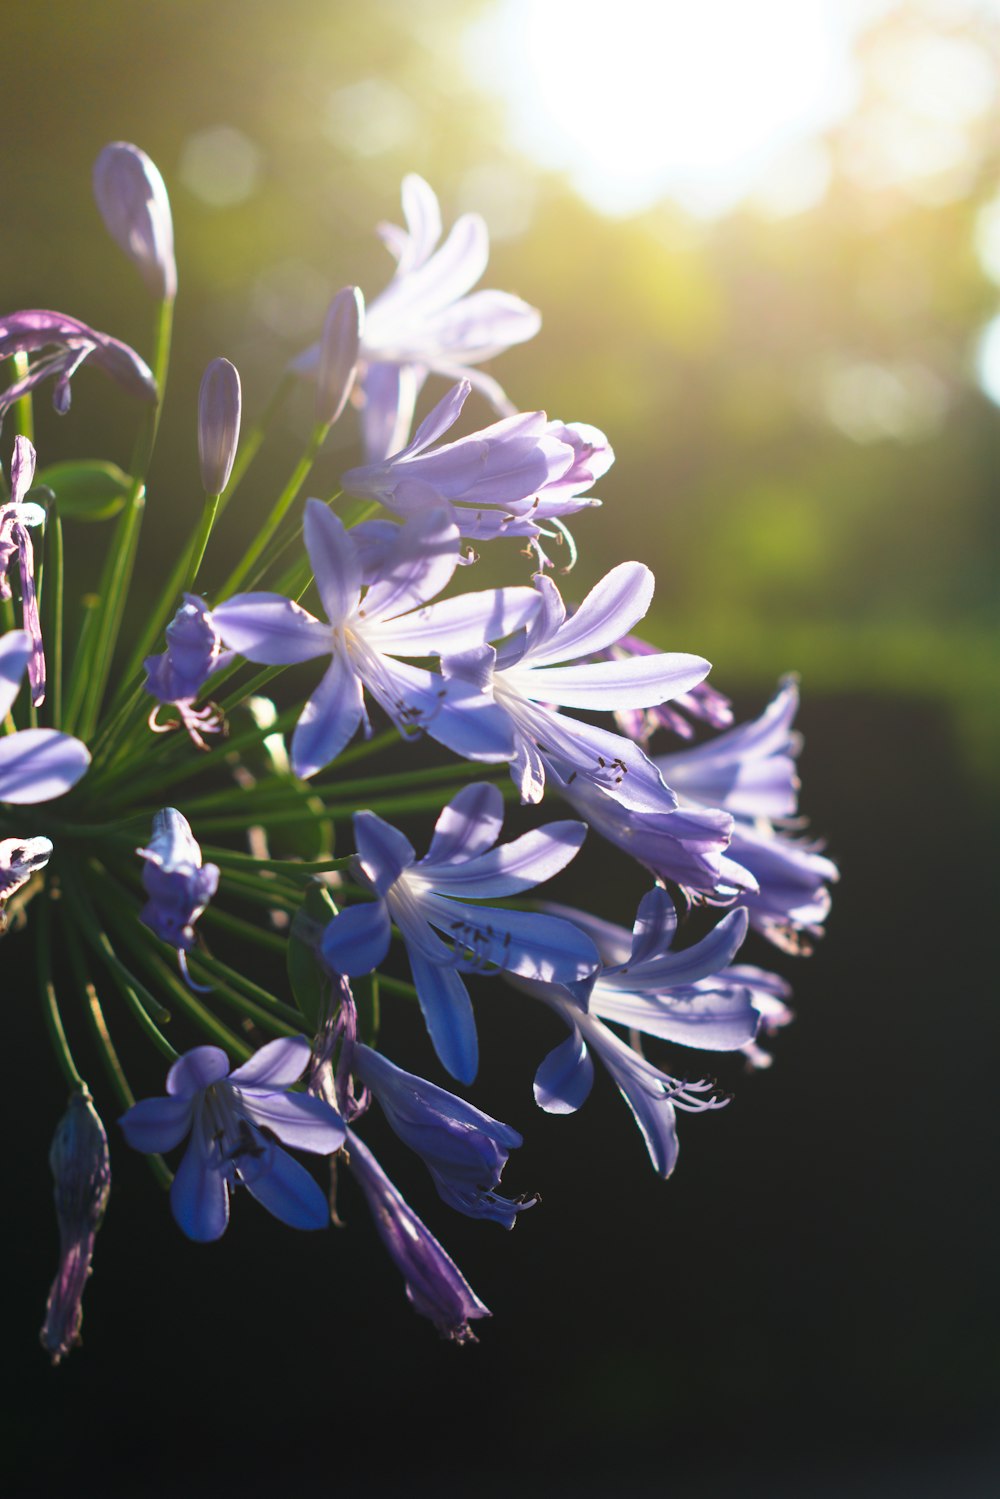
(86, 489)
(310, 985)
(367, 1000)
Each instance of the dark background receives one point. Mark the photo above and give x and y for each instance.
(809, 1306)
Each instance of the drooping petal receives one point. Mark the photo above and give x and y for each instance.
(329, 719)
(654, 928)
(270, 629)
(288, 1192)
(700, 961)
(357, 940)
(447, 1012)
(37, 765)
(278, 1064)
(566, 1076)
(157, 1124)
(199, 1197)
(298, 1119)
(195, 1070)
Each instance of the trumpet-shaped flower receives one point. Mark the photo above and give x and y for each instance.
(15, 519)
(233, 1119)
(36, 765)
(425, 321)
(178, 884)
(435, 1287)
(177, 675)
(502, 481)
(440, 893)
(529, 681)
(71, 345)
(464, 1150)
(365, 632)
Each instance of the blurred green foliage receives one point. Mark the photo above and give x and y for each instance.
(803, 454)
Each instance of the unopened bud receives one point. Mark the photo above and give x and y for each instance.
(81, 1168)
(132, 198)
(338, 353)
(219, 406)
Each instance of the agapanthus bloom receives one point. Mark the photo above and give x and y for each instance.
(71, 345)
(36, 765)
(505, 480)
(424, 321)
(178, 884)
(464, 1149)
(704, 702)
(750, 772)
(435, 1287)
(440, 893)
(177, 675)
(529, 680)
(366, 632)
(233, 1119)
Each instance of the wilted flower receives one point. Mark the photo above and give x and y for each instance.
(231, 1117)
(81, 1168)
(71, 344)
(15, 518)
(132, 198)
(435, 1287)
(219, 406)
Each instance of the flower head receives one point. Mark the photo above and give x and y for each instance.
(440, 893)
(81, 1170)
(464, 1149)
(435, 1287)
(132, 198)
(71, 344)
(178, 884)
(233, 1119)
(177, 675)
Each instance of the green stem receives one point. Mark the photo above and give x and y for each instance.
(23, 414)
(81, 656)
(237, 927)
(208, 514)
(253, 439)
(265, 1006)
(50, 1004)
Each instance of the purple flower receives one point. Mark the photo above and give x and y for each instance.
(15, 518)
(71, 344)
(464, 1149)
(423, 322)
(179, 886)
(435, 1287)
(439, 891)
(529, 684)
(365, 632)
(19, 859)
(194, 652)
(219, 409)
(750, 772)
(132, 198)
(36, 765)
(81, 1169)
(231, 1118)
(338, 353)
(502, 481)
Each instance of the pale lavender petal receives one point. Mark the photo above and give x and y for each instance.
(513, 867)
(329, 719)
(524, 942)
(37, 765)
(390, 396)
(219, 409)
(608, 612)
(298, 1119)
(454, 712)
(614, 764)
(701, 960)
(197, 1069)
(476, 329)
(22, 469)
(334, 560)
(15, 652)
(468, 826)
(654, 927)
(287, 1190)
(199, 1198)
(460, 624)
(422, 560)
(157, 1124)
(437, 422)
(447, 1012)
(423, 221)
(566, 1076)
(613, 942)
(357, 940)
(637, 682)
(713, 1018)
(445, 276)
(279, 1064)
(270, 629)
(132, 198)
(338, 353)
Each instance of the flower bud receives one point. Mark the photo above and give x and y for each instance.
(219, 405)
(338, 353)
(133, 201)
(81, 1168)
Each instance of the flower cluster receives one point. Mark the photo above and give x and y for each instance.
(378, 595)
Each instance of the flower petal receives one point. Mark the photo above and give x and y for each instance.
(357, 940)
(447, 1012)
(37, 765)
(460, 624)
(334, 559)
(276, 1065)
(566, 1076)
(635, 682)
(199, 1197)
(513, 867)
(270, 629)
(298, 1119)
(287, 1190)
(156, 1124)
(329, 719)
(421, 562)
(608, 612)
(384, 852)
(468, 825)
(15, 651)
(712, 1017)
(197, 1069)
